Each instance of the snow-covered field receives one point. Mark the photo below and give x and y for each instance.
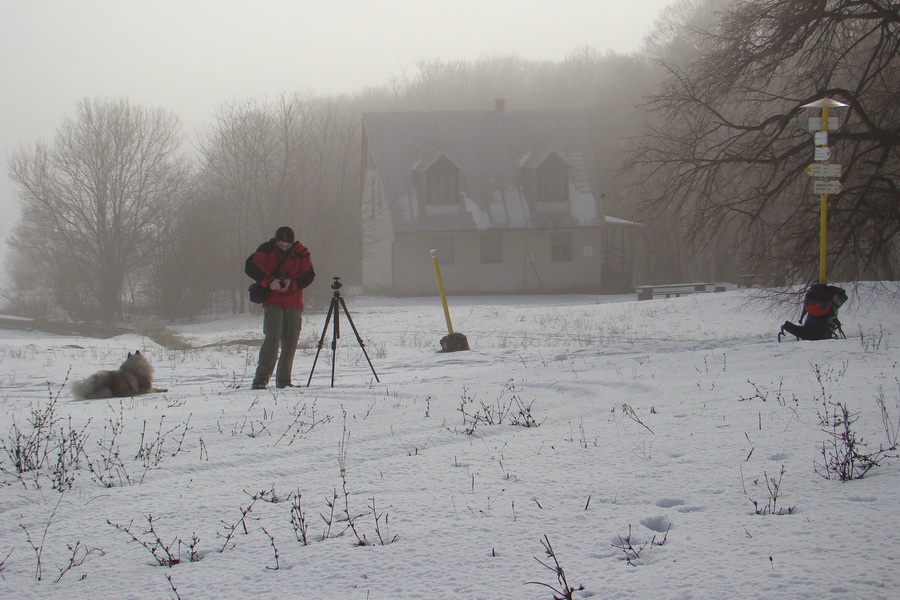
(676, 450)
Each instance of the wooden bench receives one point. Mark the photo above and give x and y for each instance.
(748, 280)
(648, 292)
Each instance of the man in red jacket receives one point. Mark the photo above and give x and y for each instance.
(284, 267)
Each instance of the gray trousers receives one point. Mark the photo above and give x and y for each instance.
(281, 327)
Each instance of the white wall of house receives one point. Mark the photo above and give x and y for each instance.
(526, 267)
(378, 238)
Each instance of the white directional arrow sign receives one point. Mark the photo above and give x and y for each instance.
(827, 186)
(815, 124)
(824, 170)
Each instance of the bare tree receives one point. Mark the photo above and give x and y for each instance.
(725, 167)
(191, 274)
(257, 162)
(293, 160)
(97, 203)
(331, 217)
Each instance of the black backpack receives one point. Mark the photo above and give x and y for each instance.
(818, 320)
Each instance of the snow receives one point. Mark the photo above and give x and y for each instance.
(661, 420)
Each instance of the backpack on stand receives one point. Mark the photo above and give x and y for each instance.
(818, 320)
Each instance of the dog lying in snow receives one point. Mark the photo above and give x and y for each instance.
(134, 377)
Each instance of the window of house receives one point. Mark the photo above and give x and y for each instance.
(491, 248)
(442, 183)
(561, 246)
(553, 184)
(443, 244)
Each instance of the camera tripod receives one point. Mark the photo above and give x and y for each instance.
(337, 302)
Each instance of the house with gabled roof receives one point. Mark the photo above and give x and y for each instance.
(509, 200)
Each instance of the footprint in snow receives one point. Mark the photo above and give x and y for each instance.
(669, 502)
(659, 524)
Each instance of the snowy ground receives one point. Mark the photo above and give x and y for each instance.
(662, 428)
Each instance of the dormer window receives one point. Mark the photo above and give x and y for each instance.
(437, 182)
(553, 184)
(553, 180)
(442, 184)
(545, 176)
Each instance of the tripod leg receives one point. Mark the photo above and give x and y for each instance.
(335, 335)
(321, 341)
(358, 339)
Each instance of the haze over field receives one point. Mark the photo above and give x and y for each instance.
(189, 57)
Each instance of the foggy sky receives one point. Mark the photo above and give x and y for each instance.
(189, 56)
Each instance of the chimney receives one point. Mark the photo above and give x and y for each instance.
(500, 104)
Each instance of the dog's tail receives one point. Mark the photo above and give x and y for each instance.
(83, 389)
(101, 384)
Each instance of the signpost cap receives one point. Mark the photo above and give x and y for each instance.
(829, 102)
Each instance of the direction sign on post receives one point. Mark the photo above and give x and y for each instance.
(823, 187)
(815, 124)
(827, 186)
(822, 153)
(824, 170)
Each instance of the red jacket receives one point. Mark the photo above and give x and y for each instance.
(269, 263)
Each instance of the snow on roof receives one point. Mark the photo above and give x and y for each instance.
(490, 148)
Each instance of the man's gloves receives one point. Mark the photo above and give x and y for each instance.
(281, 284)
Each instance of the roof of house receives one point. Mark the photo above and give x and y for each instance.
(490, 148)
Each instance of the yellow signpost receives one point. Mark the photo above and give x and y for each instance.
(825, 171)
(440, 284)
(452, 342)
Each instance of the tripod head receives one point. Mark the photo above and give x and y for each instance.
(336, 286)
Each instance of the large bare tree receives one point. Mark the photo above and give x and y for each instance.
(725, 165)
(96, 203)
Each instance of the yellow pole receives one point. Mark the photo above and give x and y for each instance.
(823, 214)
(437, 273)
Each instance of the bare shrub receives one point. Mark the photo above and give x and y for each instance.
(773, 486)
(298, 519)
(844, 454)
(231, 528)
(165, 554)
(3, 563)
(108, 469)
(632, 550)
(274, 549)
(43, 446)
(875, 339)
(29, 445)
(629, 412)
(349, 518)
(69, 449)
(509, 408)
(305, 420)
(151, 449)
(561, 590)
(38, 545)
(80, 552)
